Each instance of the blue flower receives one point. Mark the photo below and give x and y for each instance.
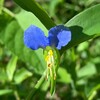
(58, 36)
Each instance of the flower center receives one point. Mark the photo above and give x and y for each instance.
(49, 59)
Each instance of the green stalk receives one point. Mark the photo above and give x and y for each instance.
(8, 12)
(37, 86)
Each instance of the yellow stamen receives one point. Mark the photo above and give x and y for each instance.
(50, 52)
(46, 58)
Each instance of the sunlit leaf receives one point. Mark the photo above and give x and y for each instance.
(5, 91)
(11, 67)
(21, 75)
(63, 76)
(84, 26)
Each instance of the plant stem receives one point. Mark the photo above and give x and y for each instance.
(16, 95)
(8, 12)
(37, 86)
(92, 96)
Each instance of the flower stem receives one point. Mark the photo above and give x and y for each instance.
(37, 86)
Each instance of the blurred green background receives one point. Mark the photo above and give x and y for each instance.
(79, 72)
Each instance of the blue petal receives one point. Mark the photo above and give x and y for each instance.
(34, 38)
(59, 36)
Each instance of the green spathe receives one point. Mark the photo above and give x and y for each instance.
(51, 56)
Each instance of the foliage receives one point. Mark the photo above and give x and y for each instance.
(20, 68)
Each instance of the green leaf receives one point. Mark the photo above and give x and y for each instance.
(52, 6)
(63, 76)
(11, 67)
(22, 16)
(5, 91)
(37, 10)
(84, 26)
(3, 75)
(21, 75)
(83, 46)
(85, 71)
(1, 5)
